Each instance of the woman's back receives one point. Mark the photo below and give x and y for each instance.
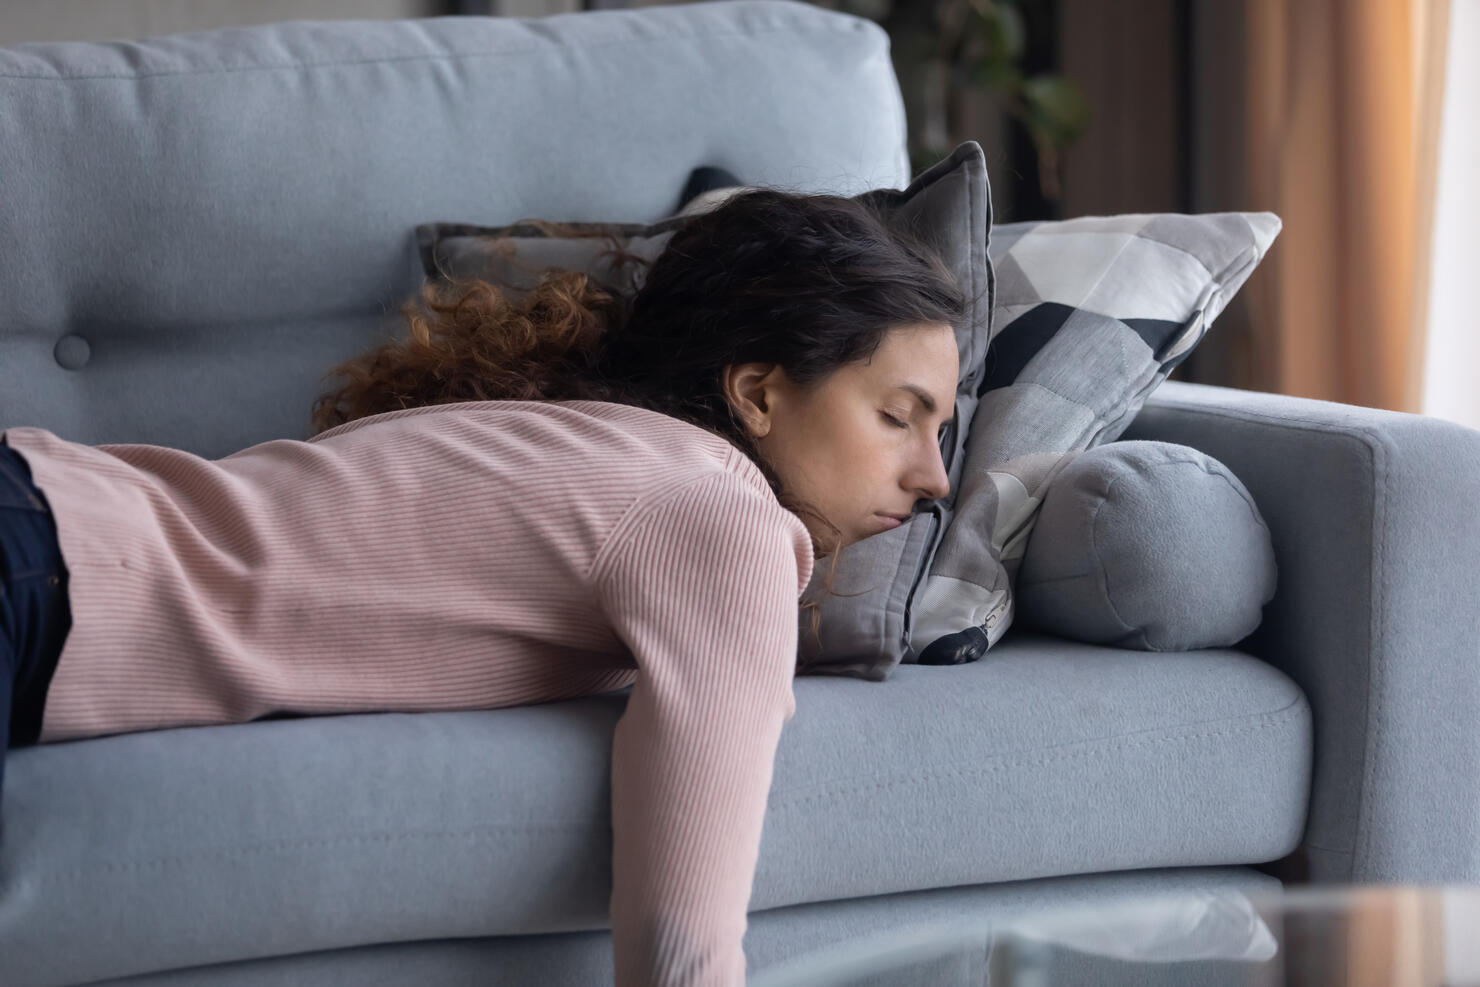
(443, 557)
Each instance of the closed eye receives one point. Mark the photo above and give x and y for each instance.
(902, 424)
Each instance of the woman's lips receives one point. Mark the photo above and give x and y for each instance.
(887, 521)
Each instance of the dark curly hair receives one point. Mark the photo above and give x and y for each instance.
(811, 282)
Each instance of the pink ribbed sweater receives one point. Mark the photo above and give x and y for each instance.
(463, 556)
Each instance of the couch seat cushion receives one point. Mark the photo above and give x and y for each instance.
(182, 847)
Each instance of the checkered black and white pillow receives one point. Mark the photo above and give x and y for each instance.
(1090, 315)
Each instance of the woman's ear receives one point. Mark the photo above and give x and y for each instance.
(750, 388)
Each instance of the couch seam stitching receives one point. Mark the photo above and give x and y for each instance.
(1100, 567)
(1006, 762)
(271, 846)
(421, 56)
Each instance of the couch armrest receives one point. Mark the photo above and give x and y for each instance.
(1375, 518)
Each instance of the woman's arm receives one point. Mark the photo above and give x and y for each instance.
(703, 588)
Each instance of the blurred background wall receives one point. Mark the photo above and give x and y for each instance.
(1345, 117)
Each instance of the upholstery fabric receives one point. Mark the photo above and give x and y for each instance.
(1052, 758)
(1147, 545)
(1377, 615)
(1092, 314)
(864, 624)
(212, 220)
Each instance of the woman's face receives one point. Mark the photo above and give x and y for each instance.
(862, 443)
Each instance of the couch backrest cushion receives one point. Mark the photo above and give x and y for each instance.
(198, 226)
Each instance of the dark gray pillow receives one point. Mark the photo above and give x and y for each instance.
(1147, 545)
(864, 633)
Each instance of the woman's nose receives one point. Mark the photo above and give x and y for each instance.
(936, 483)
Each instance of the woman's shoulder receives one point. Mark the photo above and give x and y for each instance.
(573, 412)
(729, 514)
(623, 433)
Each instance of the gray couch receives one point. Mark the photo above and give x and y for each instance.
(196, 227)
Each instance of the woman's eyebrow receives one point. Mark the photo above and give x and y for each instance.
(925, 399)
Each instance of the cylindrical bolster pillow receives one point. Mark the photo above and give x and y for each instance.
(1147, 545)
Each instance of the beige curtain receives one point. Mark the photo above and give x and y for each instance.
(1341, 114)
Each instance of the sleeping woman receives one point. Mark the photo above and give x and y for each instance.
(523, 501)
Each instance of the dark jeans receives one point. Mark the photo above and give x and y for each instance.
(34, 614)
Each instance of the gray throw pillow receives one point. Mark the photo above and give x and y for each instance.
(1147, 545)
(1091, 315)
(863, 629)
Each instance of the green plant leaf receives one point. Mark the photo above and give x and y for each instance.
(1003, 30)
(994, 43)
(994, 75)
(1057, 109)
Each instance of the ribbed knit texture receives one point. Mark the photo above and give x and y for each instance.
(463, 556)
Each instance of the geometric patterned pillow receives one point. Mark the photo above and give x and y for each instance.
(1090, 315)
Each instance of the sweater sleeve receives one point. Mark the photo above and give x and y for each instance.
(703, 588)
